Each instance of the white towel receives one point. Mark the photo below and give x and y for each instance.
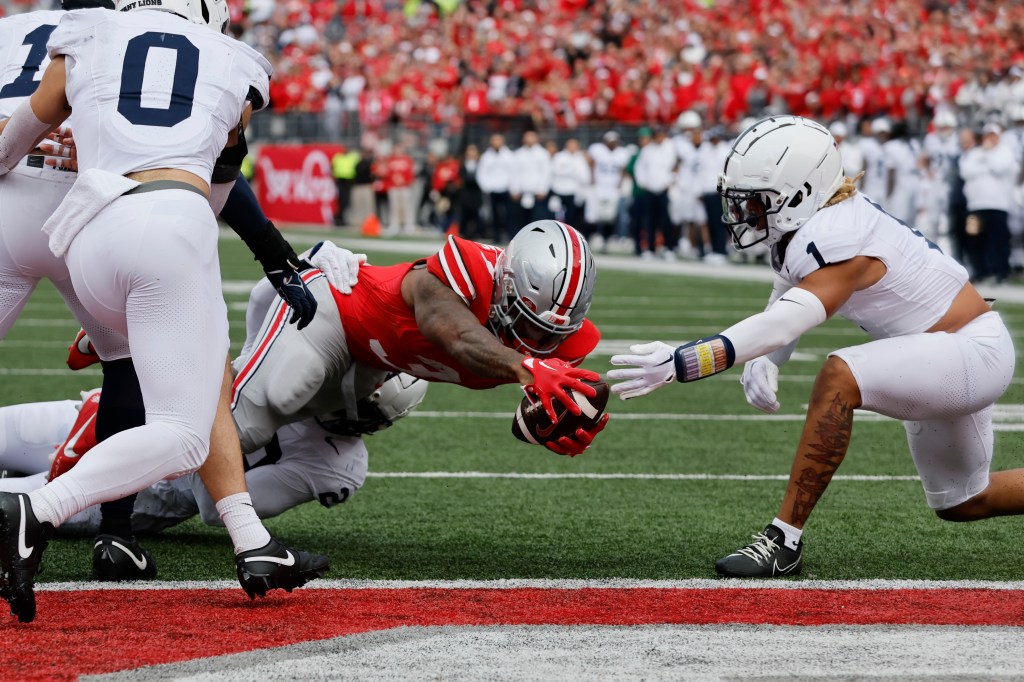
(90, 194)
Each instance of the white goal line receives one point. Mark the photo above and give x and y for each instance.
(621, 476)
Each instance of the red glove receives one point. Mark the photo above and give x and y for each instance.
(552, 378)
(578, 442)
(81, 354)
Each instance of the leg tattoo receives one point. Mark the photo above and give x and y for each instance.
(833, 438)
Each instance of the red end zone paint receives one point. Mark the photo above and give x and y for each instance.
(105, 631)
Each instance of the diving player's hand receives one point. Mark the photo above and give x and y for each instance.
(340, 266)
(290, 287)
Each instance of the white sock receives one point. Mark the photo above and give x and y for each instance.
(792, 534)
(244, 527)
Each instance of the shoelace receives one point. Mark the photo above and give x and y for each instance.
(759, 550)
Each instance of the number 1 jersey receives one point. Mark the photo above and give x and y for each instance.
(152, 90)
(23, 57)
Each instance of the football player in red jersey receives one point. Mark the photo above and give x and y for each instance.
(471, 314)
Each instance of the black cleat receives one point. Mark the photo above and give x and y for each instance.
(766, 557)
(115, 559)
(277, 566)
(22, 541)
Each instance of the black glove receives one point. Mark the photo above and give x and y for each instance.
(290, 287)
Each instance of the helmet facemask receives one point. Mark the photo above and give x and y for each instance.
(779, 173)
(521, 328)
(543, 285)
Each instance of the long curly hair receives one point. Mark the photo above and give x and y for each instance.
(846, 190)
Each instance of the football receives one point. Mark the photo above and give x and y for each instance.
(532, 425)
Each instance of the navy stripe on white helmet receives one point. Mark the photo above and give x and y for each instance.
(779, 172)
(395, 398)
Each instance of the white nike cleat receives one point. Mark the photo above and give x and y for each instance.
(22, 541)
(766, 557)
(277, 566)
(116, 559)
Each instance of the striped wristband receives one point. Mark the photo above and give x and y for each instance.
(702, 358)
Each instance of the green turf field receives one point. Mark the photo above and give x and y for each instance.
(480, 528)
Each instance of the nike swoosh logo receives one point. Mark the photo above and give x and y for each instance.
(139, 561)
(784, 569)
(287, 561)
(330, 441)
(69, 447)
(23, 550)
(545, 432)
(789, 300)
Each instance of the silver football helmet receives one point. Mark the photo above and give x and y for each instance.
(543, 285)
(212, 13)
(396, 397)
(779, 172)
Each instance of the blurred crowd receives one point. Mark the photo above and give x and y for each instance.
(926, 95)
(569, 62)
(961, 186)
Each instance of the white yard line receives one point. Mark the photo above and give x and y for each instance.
(620, 476)
(557, 584)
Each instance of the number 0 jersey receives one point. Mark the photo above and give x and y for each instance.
(381, 329)
(23, 57)
(920, 282)
(152, 90)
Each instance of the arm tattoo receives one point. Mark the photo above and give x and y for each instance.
(833, 431)
(447, 323)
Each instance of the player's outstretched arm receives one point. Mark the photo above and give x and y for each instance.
(282, 266)
(798, 310)
(446, 322)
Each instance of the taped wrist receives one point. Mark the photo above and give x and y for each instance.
(271, 249)
(700, 359)
(20, 135)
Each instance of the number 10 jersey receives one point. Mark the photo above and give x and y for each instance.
(152, 90)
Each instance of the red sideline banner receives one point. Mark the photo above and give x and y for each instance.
(295, 183)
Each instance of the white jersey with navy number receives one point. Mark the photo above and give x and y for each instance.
(920, 282)
(23, 57)
(152, 90)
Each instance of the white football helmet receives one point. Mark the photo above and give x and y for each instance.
(944, 118)
(688, 120)
(396, 397)
(543, 285)
(212, 13)
(779, 172)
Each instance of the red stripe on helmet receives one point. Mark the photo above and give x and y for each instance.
(573, 285)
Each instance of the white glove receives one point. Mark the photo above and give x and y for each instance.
(341, 266)
(653, 367)
(760, 382)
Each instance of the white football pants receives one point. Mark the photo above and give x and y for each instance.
(942, 386)
(28, 196)
(306, 463)
(146, 266)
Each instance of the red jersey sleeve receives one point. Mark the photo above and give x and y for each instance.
(579, 345)
(468, 268)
